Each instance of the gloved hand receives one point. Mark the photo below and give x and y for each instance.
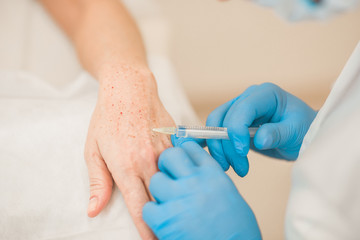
(195, 199)
(283, 119)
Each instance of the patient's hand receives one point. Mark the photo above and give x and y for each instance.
(121, 145)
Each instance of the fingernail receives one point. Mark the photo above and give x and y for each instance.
(92, 204)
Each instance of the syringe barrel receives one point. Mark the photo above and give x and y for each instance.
(207, 132)
(202, 132)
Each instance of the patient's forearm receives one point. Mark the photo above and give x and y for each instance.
(104, 35)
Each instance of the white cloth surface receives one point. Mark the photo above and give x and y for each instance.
(46, 101)
(324, 201)
(43, 176)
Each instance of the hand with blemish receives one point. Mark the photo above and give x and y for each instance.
(120, 144)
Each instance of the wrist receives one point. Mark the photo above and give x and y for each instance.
(124, 73)
(129, 89)
(126, 79)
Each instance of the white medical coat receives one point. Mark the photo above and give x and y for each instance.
(325, 195)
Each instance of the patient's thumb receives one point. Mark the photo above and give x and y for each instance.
(100, 184)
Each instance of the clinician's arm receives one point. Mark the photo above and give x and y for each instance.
(195, 199)
(120, 144)
(283, 119)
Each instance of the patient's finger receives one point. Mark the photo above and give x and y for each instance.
(146, 172)
(99, 178)
(135, 196)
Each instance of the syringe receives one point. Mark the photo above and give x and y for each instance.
(200, 132)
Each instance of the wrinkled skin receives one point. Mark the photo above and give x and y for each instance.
(121, 145)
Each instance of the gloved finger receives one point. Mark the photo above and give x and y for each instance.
(239, 163)
(277, 135)
(197, 154)
(152, 214)
(270, 152)
(100, 180)
(176, 163)
(215, 119)
(163, 188)
(155, 215)
(176, 141)
(216, 151)
(261, 103)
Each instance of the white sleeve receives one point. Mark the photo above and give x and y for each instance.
(324, 201)
(296, 10)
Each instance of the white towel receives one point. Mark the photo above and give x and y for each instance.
(43, 177)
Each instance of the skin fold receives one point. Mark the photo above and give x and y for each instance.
(120, 146)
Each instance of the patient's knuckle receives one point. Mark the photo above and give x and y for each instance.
(151, 159)
(139, 159)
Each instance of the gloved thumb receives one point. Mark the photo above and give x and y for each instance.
(100, 184)
(274, 135)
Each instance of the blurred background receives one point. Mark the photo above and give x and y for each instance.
(221, 48)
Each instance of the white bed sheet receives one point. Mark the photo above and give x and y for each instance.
(43, 176)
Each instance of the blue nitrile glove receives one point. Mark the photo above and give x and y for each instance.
(283, 119)
(195, 199)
